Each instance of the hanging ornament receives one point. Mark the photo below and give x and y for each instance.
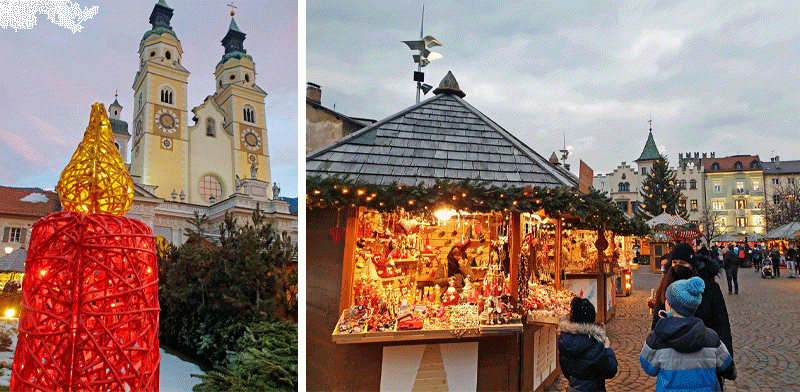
(89, 319)
(337, 232)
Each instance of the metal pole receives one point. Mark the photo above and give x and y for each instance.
(419, 69)
(419, 65)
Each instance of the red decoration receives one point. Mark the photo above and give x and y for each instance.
(89, 319)
(337, 232)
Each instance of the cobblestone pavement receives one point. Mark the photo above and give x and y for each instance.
(765, 319)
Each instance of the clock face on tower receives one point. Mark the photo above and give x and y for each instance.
(251, 140)
(137, 128)
(166, 121)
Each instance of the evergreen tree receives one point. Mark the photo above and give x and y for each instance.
(211, 292)
(660, 192)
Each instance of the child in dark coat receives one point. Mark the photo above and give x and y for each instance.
(681, 350)
(585, 353)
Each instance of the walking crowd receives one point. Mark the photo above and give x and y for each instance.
(690, 347)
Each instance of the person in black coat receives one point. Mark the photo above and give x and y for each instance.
(731, 262)
(584, 352)
(712, 309)
(757, 257)
(775, 256)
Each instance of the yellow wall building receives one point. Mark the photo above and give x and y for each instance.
(735, 190)
(227, 140)
(211, 159)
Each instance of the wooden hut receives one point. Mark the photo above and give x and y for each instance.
(443, 137)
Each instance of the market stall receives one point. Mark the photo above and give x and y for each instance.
(12, 269)
(386, 207)
(390, 291)
(781, 238)
(586, 274)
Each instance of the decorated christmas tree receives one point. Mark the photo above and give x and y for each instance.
(659, 192)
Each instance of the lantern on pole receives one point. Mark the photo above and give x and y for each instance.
(89, 318)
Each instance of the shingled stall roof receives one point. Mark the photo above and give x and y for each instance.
(442, 137)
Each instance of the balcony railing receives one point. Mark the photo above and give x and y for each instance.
(740, 192)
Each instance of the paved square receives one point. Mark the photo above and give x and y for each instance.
(765, 321)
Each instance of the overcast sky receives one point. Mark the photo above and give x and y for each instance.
(50, 77)
(721, 76)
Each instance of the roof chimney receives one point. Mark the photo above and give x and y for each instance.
(777, 162)
(314, 93)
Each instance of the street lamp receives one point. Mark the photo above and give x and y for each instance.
(424, 56)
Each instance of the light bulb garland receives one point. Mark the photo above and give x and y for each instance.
(586, 211)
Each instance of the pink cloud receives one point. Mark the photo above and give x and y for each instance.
(47, 131)
(21, 145)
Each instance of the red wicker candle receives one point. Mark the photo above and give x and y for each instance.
(89, 319)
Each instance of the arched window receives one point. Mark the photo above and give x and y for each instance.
(715, 166)
(737, 165)
(210, 130)
(166, 95)
(621, 187)
(693, 184)
(210, 186)
(682, 184)
(249, 114)
(627, 187)
(754, 164)
(139, 104)
(220, 83)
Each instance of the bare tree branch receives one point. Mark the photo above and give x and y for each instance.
(782, 205)
(710, 219)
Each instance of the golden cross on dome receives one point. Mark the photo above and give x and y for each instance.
(232, 7)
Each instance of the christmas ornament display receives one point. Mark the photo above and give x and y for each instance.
(546, 300)
(89, 319)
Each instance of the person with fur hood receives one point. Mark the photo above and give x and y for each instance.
(683, 353)
(585, 353)
(712, 310)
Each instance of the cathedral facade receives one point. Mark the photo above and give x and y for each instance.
(212, 158)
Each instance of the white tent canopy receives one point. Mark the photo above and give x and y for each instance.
(786, 231)
(727, 237)
(657, 220)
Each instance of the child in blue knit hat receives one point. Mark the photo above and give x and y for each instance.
(681, 351)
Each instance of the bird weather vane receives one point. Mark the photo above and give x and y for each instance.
(424, 57)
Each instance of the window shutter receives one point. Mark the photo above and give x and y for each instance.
(5, 234)
(23, 235)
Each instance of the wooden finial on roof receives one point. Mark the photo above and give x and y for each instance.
(449, 85)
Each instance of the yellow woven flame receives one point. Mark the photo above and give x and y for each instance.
(95, 180)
